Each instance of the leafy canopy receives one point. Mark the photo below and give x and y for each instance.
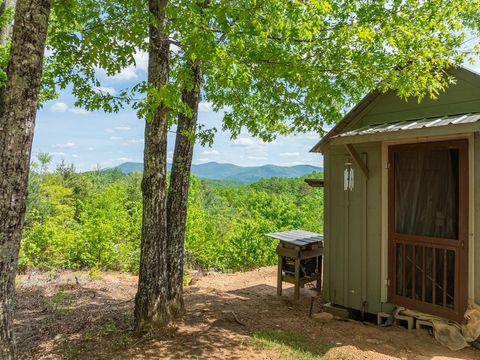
(273, 66)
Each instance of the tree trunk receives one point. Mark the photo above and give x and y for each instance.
(151, 308)
(178, 191)
(18, 107)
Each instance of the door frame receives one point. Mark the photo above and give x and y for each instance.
(462, 248)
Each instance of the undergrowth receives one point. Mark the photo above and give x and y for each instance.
(289, 345)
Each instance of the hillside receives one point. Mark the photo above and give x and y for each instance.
(218, 171)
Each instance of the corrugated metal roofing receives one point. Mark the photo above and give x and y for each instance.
(413, 124)
(297, 237)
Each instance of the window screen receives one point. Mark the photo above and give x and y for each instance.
(426, 192)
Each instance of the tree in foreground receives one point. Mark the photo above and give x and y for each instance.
(18, 106)
(273, 67)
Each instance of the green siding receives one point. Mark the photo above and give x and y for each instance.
(336, 240)
(476, 225)
(459, 98)
(327, 263)
(345, 228)
(374, 226)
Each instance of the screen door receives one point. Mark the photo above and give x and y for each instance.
(428, 227)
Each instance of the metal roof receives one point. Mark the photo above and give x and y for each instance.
(315, 182)
(347, 120)
(413, 124)
(297, 237)
(354, 115)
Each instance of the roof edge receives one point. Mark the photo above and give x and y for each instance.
(347, 120)
(352, 115)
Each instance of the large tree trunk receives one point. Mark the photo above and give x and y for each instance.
(178, 191)
(18, 107)
(152, 297)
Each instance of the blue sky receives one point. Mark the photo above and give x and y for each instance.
(97, 140)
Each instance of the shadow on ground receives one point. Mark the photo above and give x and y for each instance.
(72, 319)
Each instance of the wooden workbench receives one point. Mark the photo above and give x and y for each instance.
(299, 246)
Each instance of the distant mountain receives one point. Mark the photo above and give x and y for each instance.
(129, 167)
(217, 171)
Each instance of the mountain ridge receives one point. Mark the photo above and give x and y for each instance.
(227, 171)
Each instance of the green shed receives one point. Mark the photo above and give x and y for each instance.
(402, 203)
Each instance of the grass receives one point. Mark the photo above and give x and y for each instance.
(292, 346)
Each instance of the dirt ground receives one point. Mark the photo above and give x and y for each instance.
(89, 316)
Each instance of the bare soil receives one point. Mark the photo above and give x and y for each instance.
(77, 315)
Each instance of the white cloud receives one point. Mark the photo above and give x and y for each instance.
(78, 111)
(131, 71)
(123, 159)
(90, 148)
(123, 128)
(128, 73)
(203, 160)
(133, 141)
(76, 156)
(256, 157)
(303, 162)
(68, 145)
(105, 90)
(205, 106)
(59, 107)
(210, 152)
(104, 163)
(116, 138)
(57, 153)
(243, 142)
(308, 136)
(290, 154)
(141, 60)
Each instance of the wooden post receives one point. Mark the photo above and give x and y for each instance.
(296, 295)
(319, 270)
(357, 159)
(279, 275)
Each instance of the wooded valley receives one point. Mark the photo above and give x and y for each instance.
(93, 220)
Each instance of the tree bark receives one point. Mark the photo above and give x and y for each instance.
(18, 107)
(178, 190)
(151, 309)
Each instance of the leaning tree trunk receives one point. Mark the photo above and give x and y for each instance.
(178, 191)
(151, 308)
(18, 107)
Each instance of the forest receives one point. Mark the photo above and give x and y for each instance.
(93, 220)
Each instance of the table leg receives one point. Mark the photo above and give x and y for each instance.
(279, 276)
(319, 269)
(297, 279)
